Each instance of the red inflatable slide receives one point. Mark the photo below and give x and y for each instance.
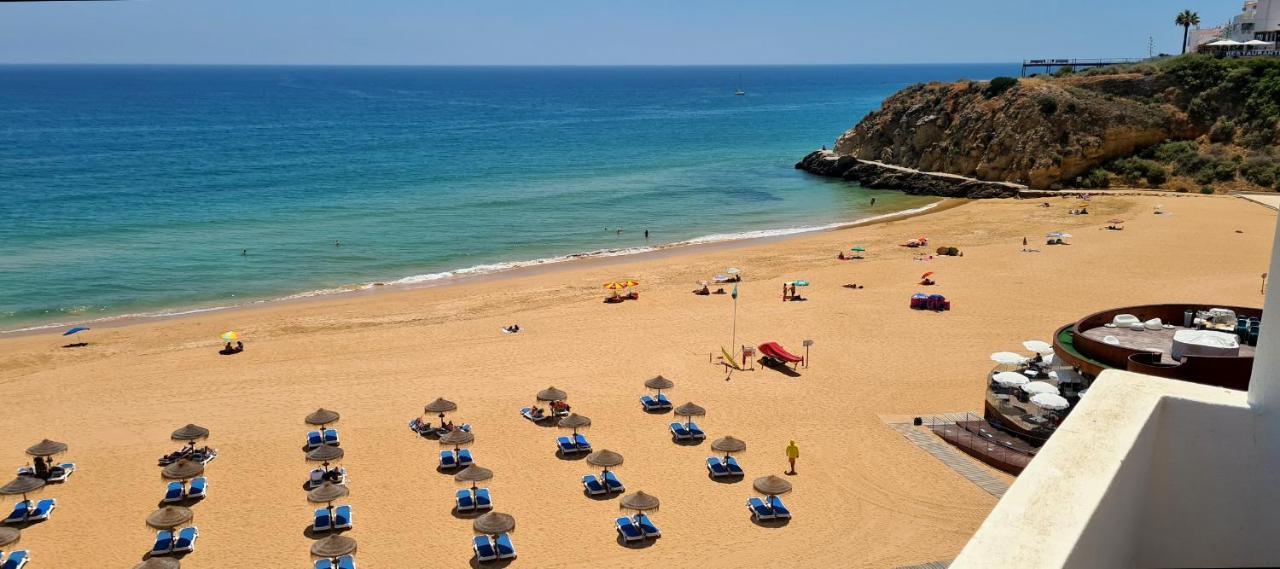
(776, 351)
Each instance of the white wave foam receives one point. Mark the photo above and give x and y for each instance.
(491, 268)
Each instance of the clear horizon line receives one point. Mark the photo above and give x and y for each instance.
(493, 65)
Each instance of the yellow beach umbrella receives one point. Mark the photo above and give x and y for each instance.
(630, 282)
(616, 285)
(230, 336)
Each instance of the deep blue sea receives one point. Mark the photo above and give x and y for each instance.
(128, 190)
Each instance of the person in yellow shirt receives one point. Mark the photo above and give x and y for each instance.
(793, 452)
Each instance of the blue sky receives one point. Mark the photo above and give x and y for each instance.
(588, 32)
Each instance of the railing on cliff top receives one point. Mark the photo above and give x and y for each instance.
(1049, 64)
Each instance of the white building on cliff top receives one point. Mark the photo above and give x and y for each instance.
(1257, 20)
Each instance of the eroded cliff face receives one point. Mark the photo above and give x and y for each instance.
(1039, 132)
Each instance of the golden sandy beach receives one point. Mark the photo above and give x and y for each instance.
(864, 496)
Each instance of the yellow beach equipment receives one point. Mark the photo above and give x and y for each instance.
(230, 336)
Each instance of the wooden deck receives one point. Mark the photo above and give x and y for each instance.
(952, 458)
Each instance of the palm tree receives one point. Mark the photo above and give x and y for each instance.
(1186, 19)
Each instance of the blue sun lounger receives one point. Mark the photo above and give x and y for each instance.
(680, 433)
(662, 399)
(566, 446)
(173, 493)
(164, 543)
(16, 560)
(716, 467)
(19, 513)
(779, 511)
(322, 522)
(759, 510)
(314, 440)
(342, 517)
(44, 509)
(695, 431)
(483, 548)
(60, 472)
(505, 549)
(593, 486)
(628, 530)
(346, 562)
(464, 458)
(447, 460)
(651, 404)
(732, 465)
(463, 501)
(646, 526)
(331, 437)
(611, 480)
(582, 443)
(199, 487)
(186, 541)
(324, 564)
(483, 501)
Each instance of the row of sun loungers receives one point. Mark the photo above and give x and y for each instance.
(600, 486)
(659, 403)
(683, 432)
(468, 502)
(16, 560)
(176, 493)
(723, 468)
(426, 430)
(315, 439)
(638, 529)
(167, 543)
(577, 444)
(772, 510)
(57, 473)
(23, 512)
(450, 460)
(341, 519)
(344, 562)
(489, 550)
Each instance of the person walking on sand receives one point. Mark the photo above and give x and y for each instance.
(793, 452)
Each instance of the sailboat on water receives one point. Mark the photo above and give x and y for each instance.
(737, 91)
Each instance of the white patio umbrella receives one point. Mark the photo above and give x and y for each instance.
(1047, 359)
(1038, 346)
(733, 270)
(1050, 401)
(1224, 43)
(1010, 379)
(1038, 387)
(1008, 358)
(1256, 42)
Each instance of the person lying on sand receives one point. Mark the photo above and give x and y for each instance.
(928, 282)
(719, 291)
(702, 291)
(512, 329)
(852, 286)
(841, 257)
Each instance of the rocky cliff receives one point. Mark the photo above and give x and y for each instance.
(1040, 131)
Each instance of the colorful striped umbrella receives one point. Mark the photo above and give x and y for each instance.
(230, 336)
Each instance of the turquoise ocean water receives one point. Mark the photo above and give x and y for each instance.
(132, 190)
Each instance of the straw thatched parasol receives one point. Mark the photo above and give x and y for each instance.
(639, 501)
(159, 563)
(689, 411)
(47, 448)
(9, 535)
(333, 546)
(170, 517)
(22, 485)
(771, 485)
(473, 474)
(457, 438)
(552, 394)
(728, 445)
(659, 383)
(440, 405)
(575, 421)
(191, 433)
(325, 453)
(494, 523)
(183, 469)
(604, 458)
(327, 492)
(321, 417)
